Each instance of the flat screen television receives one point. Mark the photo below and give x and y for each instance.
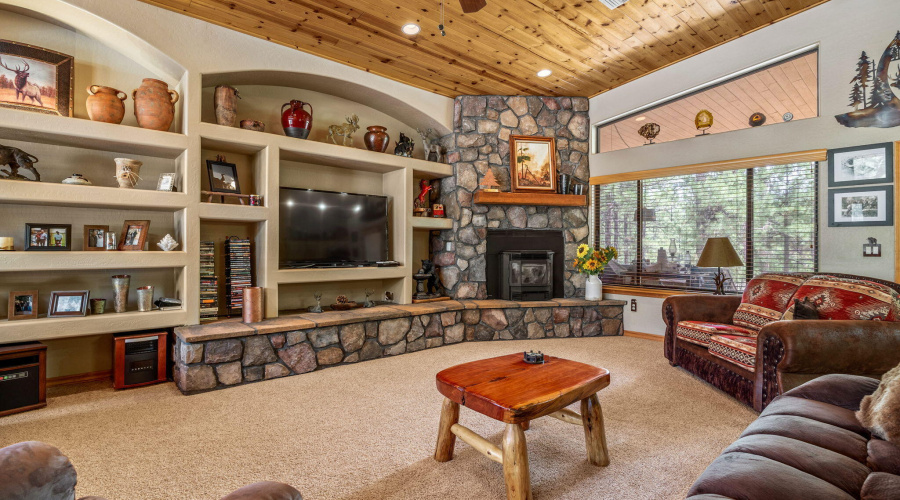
(324, 228)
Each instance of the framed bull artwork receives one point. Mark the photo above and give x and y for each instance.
(35, 79)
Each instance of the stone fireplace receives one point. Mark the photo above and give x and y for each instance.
(480, 142)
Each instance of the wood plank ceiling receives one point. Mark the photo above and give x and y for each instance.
(499, 50)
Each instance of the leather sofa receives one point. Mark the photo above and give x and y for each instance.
(807, 444)
(37, 471)
(785, 354)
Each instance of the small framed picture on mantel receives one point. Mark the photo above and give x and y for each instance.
(532, 164)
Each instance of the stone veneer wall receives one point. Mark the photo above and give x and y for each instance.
(227, 354)
(480, 142)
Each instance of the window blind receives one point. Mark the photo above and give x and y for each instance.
(770, 214)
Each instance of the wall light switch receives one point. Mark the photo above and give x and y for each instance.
(633, 305)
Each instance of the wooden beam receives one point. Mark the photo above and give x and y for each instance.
(568, 416)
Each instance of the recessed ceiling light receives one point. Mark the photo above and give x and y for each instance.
(640, 118)
(411, 29)
(544, 73)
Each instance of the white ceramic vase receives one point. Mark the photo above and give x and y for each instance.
(593, 288)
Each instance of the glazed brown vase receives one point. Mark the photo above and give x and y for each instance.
(377, 138)
(154, 104)
(105, 104)
(226, 105)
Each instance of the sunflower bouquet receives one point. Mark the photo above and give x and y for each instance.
(593, 261)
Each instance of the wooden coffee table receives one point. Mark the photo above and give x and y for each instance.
(507, 389)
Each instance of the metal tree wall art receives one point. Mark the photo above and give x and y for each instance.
(872, 90)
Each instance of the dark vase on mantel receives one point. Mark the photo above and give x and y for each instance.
(295, 120)
(377, 138)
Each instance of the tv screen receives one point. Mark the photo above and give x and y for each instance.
(326, 228)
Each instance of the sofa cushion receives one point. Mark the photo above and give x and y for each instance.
(841, 390)
(836, 439)
(765, 299)
(884, 457)
(735, 349)
(881, 486)
(698, 332)
(818, 411)
(848, 299)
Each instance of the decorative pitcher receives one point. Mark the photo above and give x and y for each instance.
(593, 288)
(225, 101)
(154, 104)
(105, 104)
(377, 138)
(295, 120)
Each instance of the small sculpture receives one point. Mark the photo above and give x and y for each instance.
(649, 131)
(318, 307)
(533, 358)
(420, 204)
(704, 121)
(389, 297)
(343, 303)
(368, 302)
(15, 158)
(404, 146)
(346, 131)
(428, 285)
(433, 150)
(757, 119)
(76, 180)
(168, 243)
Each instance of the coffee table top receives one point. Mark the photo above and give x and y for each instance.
(508, 389)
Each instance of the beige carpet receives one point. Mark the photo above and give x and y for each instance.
(367, 432)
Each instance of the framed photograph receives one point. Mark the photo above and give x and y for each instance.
(223, 177)
(63, 304)
(48, 237)
(532, 164)
(850, 207)
(873, 164)
(95, 238)
(166, 182)
(23, 305)
(35, 79)
(134, 234)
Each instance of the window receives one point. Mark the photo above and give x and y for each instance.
(769, 213)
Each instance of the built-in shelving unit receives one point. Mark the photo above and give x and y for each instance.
(111, 322)
(432, 223)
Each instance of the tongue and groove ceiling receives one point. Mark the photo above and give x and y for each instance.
(499, 50)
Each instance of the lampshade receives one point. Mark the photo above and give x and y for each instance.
(718, 252)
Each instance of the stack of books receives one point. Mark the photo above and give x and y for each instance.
(209, 282)
(237, 271)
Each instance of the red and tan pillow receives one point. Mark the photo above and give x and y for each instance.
(848, 299)
(765, 299)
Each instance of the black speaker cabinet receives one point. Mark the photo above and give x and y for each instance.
(23, 377)
(139, 359)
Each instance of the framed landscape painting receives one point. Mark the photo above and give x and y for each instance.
(851, 207)
(35, 79)
(532, 164)
(873, 164)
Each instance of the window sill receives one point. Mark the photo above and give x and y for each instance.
(638, 291)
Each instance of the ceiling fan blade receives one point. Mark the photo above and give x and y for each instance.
(470, 6)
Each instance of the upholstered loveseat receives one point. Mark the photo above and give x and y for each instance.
(807, 444)
(751, 348)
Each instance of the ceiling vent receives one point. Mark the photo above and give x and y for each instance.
(612, 4)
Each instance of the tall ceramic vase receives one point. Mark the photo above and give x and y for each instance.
(295, 120)
(120, 290)
(128, 172)
(154, 104)
(226, 105)
(593, 288)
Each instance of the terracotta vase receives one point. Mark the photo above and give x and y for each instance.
(295, 120)
(226, 105)
(128, 172)
(377, 138)
(154, 104)
(105, 104)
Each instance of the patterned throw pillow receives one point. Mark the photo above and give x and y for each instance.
(765, 300)
(848, 299)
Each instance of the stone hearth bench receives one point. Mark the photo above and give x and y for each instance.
(231, 353)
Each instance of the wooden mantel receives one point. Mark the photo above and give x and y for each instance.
(539, 199)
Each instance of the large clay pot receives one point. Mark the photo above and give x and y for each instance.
(377, 138)
(295, 120)
(105, 104)
(154, 104)
(226, 105)
(128, 172)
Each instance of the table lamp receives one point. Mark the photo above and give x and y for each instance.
(719, 253)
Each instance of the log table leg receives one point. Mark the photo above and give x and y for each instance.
(594, 434)
(526, 425)
(443, 452)
(515, 463)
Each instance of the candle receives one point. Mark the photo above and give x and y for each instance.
(6, 244)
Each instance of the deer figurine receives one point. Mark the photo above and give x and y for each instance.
(346, 131)
(24, 88)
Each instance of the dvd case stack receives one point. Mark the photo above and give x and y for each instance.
(237, 271)
(209, 282)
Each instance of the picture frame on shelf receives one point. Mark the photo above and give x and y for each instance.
(134, 235)
(48, 237)
(95, 238)
(860, 165)
(23, 305)
(532, 164)
(861, 206)
(40, 79)
(166, 182)
(223, 177)
(67, 304)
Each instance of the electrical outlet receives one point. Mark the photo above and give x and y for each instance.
(633, 305)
